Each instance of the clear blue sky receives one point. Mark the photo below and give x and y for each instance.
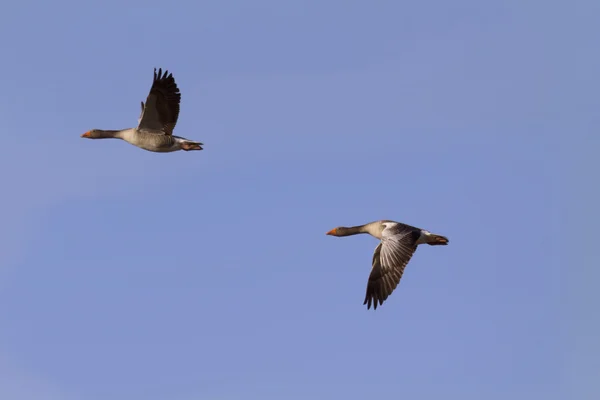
(126, 274)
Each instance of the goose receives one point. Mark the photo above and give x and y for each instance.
(398, 244)
(156, 122)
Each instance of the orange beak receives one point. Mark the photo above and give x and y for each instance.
(87, 134)
(332, 232)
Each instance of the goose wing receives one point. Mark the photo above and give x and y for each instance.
(398, 244)
(161, 110)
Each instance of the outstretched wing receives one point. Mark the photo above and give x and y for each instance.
(398, 244)
(161, 110)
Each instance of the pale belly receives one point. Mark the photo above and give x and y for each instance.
(149, 142)
(156, 149)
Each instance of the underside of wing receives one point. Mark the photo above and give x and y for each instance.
(161, 111)
(389, 260)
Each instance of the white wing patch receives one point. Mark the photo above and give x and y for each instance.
(388, 225)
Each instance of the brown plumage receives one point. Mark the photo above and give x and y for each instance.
(398, 244)
(156, 122)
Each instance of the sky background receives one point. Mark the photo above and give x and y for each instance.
(126, 274)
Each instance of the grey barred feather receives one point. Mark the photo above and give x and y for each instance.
(398, 244)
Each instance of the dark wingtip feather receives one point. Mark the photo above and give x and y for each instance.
(369, 301)
(374, 299)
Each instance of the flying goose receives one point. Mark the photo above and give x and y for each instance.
(398, 244)
(156, 122)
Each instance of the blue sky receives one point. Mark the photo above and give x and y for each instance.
(208, 275)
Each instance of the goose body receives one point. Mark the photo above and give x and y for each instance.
(156, 122)
(398, 244)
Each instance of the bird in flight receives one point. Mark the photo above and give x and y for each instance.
(156, 122)
(398, 244)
